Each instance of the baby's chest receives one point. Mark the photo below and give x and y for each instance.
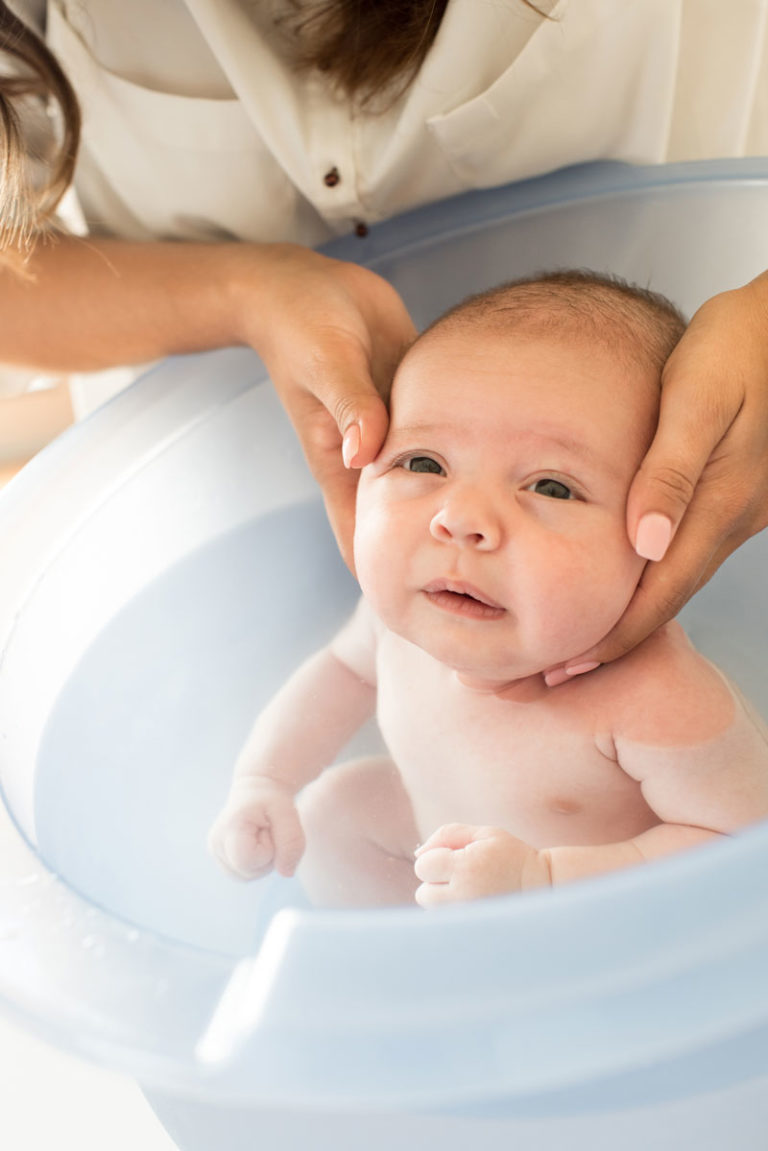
(483, 759)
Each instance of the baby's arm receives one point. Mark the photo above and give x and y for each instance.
(701, 787)
(461, 861)
(299, 732)
(699, 791)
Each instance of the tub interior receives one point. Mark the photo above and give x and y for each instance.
(172, 562)
(136, 754)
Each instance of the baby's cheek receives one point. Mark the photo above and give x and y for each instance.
(375, 568)
(610, 577)
(583, 594)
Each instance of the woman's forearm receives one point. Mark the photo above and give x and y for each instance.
(91, 304)
(328, 331)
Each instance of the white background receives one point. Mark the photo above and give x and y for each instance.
(51, 1101)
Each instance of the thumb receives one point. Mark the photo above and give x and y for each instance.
(342, 382)
(362, 419)
(667, 478)
(342, 423)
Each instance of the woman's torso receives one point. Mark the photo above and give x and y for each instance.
(196, 126)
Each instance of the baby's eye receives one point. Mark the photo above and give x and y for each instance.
(552, 488)
(423, 464)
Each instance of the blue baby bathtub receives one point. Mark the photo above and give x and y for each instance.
(165, 564)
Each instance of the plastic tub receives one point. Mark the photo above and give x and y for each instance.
(165, 564)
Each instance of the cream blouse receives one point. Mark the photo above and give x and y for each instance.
(196, 127)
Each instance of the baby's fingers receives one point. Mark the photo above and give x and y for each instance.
(435, 865)
(453, 835)
(289, 840)
(246, 851)
(429, 895)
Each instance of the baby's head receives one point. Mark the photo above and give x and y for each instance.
(491, 527)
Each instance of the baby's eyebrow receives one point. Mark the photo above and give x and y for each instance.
(463, 431)
(410, 431)
(539, 439)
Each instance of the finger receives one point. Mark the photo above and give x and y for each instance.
(247, 851)
(431, 895)
(341, 380)
(435, 865)
(337, 443)
(689, 430)
(322, 446)
(451, 835)
(339, 497)
(660, 595)
(288, 838)
(664, 588)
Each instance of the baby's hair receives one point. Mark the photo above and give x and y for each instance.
(625, 317)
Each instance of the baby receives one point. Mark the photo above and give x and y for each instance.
(490, 546)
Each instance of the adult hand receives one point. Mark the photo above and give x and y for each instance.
(702, 489)
(331, 335)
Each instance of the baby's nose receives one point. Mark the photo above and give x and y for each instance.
(467, 523)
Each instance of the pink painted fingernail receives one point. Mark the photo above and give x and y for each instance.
(350, 445)
(582, 668)
(654, 535)
(556, 677)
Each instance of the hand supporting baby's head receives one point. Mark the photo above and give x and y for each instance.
(491, 528)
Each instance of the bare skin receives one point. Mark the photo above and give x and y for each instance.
(706, 471)
(330, 334)
(491, 543)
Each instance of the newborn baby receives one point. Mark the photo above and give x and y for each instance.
(490, 546)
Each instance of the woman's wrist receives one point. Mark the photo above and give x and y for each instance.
(261, 279)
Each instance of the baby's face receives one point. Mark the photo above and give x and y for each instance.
(491, 527)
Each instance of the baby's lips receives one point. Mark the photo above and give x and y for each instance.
(461, 587)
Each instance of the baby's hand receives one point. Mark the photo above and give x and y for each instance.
(460, 862)
(257, 830)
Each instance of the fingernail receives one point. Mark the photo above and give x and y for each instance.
(556, 677)
(654, 534)
(582, 668)
(350, 445)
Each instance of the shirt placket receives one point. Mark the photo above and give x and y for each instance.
(332, 157)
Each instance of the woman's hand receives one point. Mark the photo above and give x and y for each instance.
(331, 335)
(702, 488)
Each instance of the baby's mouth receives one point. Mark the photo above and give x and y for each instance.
(462, 599)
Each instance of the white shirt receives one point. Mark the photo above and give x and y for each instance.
(195, 126)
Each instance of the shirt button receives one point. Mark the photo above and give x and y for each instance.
(361, 230)
(332, 178)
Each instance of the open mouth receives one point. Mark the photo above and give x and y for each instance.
(462, 599)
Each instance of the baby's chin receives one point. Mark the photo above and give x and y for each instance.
(500, 661)
(484, 672)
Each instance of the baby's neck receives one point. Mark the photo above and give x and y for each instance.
(525, 689)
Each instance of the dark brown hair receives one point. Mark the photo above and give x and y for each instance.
(27, 204)
(367, 48)
(370, 49)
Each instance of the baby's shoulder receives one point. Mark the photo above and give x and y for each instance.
(665, 691)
